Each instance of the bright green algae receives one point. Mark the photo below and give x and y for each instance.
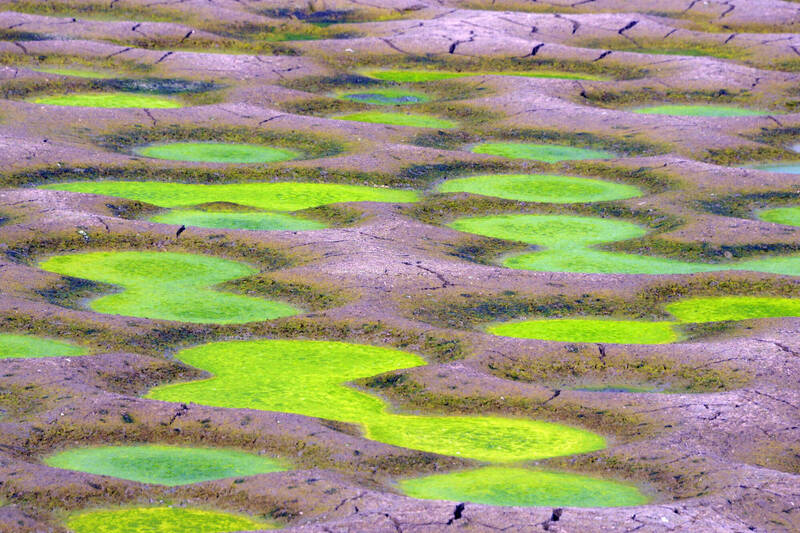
(385, 97)
(206, 152)
(161, 520)
(589, 330)
(567, 240)
(163, 465)
(282, 196)
(541, 188)
(699, 111)
(687, 311)
(309, 378)
(414, 76)
(115, 100)
(27, 346)
(168, 286)
(790, 216)
(523, 488)
(400, 119)
(74, 72)
(548, 153)
(250, 221)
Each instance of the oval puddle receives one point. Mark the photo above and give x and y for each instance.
(788, 216)
(385, 97)
(548, 153)
(111, 100)
(399, 119)
(161, 520)
(207, 152)
(700, 111)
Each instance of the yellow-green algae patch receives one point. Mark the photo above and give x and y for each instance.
(110, 100)
(789, 216)
(680, 110)
(520, 487)
(168, 286)
(209, 152)
(259, 221)
(415, 76)
(400, 119)
(310, 378)
(161, 520)
(548, 153)
(74, 72)
(163, 465)
(281, 196)
(28, 346)
(541, 188)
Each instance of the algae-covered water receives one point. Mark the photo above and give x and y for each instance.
(29, 346)
(415, 76)
(390, 97)
(789, 216)
(400, 119)
(699, 111)
(548, 153)
(161, 520)
(163, 465)
(110, 100)
(168, 286)
(208, 152)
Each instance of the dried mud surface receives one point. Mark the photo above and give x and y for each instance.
(719, 455)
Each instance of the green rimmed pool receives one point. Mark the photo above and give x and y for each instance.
(257, 221)
(416, 76)
(541, 188)
(28, 346)
(279, 196)
(385, 97)
(164, 465)
(161, 520)
(788, 216)
(568, 241)
(310, 378)
(520, 487)
(110, 100)
(548, 153)
(400, 119)
(209, 152)
(700, 111)
(169, 286)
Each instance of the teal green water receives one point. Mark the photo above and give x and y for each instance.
(163, 465)
(520, 487)
(249, 221)
(385, 97)
(786, 168)
(700, 111)
(789, 216)
(161, 520)
(168, 286)
(207, 152)
(310, 378)
(280, 196)
(28, 346)
(548, 153)
(567, 242)
(541, 188)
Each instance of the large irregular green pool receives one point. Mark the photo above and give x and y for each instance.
(400, 119)
(700, 111)
(541, 188)
(415, 76)
(687, 311)
(385, 97)
(161, 520)
(520, 487)
(111, 100)
(168, 286)
(28, 346)
(209, 152)
(163, 465)
(310, 378)
(548, 153)
(789, 216)
(567, 241)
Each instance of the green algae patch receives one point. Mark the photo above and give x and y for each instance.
(541, 188)
(27, 346)
(589, 330)
(520, 487)
(161, 520)
(268, 374)
(548, 153)
(168, 286)
(567, 242)
(385, 97)
(280, 196)
(400, 119)
(717, 309)
(416, 76)
(163, 465)
(785, 168)
(789, 216)
(75, 72)
(111, 100)
(249, 221)
(699, 111)
(208, 152)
